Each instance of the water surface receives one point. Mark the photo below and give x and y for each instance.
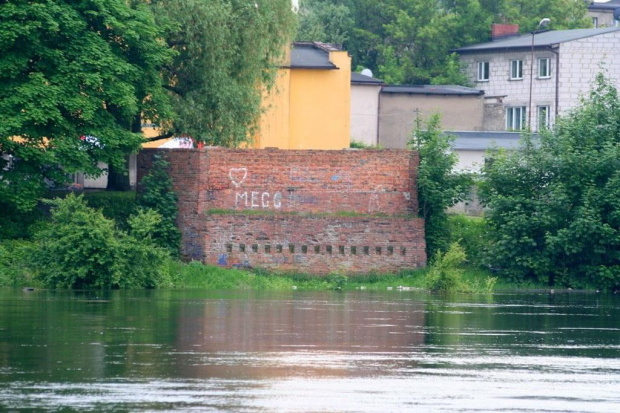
(309, 351)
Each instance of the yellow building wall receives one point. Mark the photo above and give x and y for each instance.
(309, 108)
(274, 129)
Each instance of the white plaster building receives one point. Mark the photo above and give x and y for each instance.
(564, 65)
(365, 108)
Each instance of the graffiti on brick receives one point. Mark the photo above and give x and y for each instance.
(237, 175)
(258, 199)
(374, 206)
(302, 174)
(252, 199)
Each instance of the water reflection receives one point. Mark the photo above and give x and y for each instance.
(299, 351)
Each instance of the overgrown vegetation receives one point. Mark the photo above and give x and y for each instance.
(554, 204)
(80, 248)
(439, 187)
(361, 145)
(157, 194)
(445, 274)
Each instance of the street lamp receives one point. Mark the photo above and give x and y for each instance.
(542, 23)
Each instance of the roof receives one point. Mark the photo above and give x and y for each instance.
(481, 141)
(542, 39)
(312, 55)
(607, 5)
(431, 90)
(360, 79)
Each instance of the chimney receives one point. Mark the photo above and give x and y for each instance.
(500, 30)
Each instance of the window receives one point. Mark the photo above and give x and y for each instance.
(483, 71)
(595, 22)
(516, 69)
(515, 118)
(544, 68)
(543, 117)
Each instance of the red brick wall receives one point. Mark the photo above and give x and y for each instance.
(499, 30)
(288, 203)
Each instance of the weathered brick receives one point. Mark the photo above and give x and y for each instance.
(352, 211)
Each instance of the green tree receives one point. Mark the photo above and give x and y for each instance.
(322, 21)
(227, 53)
(555, 203)
(74, 78)
(439, 187)
(409, 41)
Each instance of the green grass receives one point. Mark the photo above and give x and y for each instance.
(15, 272)
(196, 275)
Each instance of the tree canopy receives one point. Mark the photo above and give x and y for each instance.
(74, 76)
(78, 78)
(227, 53)
(554, 205)
(409, 41)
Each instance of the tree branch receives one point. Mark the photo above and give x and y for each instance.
(156, 138)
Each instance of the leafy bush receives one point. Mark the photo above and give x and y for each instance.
(83, 249)
(14, 260)
(554, 204)
(445, 272)
(438, 186)
(156, 193)
(471, 233)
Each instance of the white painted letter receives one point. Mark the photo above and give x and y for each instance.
(241, 196)
(265, 203)
(277, 200)
(254, 199)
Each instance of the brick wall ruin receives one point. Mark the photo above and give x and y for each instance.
(310, 211)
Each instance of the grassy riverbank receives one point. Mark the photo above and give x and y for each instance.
(16, 272)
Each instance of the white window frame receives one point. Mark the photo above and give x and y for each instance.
(543, 116)
(516, 118)
(595, 22)
(484, 71)
(547, 66)
(516, 70)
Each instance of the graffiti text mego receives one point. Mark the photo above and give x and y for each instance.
(257, 199)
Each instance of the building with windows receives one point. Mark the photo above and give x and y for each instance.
(530, 79)
(602, 12)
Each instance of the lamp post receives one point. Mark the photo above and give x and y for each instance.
(542, 23)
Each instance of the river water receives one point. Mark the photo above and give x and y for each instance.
(309, 351)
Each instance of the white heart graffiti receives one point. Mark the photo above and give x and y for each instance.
(237, 176)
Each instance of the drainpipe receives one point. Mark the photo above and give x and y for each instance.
(555, 49)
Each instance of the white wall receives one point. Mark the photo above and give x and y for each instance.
(580, 61)
(364, 113)
(469, 160)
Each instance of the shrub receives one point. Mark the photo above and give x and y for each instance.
(445, 272)
(81, 249)
(471, 233)
(14, 264)
(156, 193)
